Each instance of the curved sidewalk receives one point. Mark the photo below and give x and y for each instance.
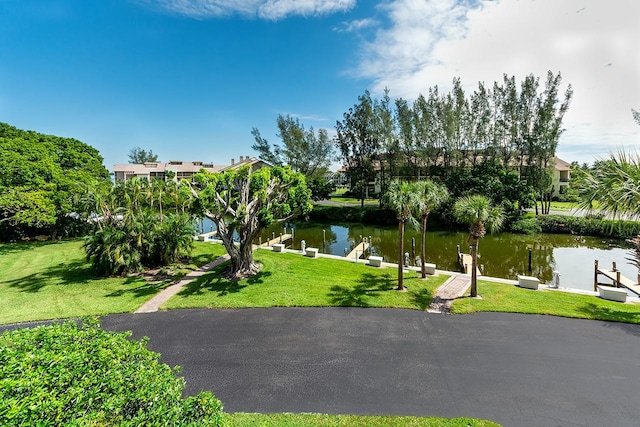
(163, 296)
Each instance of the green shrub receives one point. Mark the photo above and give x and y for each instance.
(66, 374)
(588, 226)
(526, 226)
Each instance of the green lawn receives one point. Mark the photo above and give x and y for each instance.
(291, 280)
(320, 420)
(40, 281)
(512, 299)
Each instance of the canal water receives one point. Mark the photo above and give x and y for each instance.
(502, 255)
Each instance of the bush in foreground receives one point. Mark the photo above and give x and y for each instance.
(81, 375)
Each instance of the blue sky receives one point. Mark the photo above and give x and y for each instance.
(189, 79)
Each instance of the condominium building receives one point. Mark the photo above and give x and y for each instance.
(178, 168)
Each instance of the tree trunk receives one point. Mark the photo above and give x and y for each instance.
(423, 238)
(474, 267)
(400, 255)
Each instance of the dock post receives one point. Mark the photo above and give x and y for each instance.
(280, 237)
(595, 277)
(529, 259)
(617, 279)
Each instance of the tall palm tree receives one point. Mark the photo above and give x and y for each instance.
(433, 196)
(479, 214)
(402, 198)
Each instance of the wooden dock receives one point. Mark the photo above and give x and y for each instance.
(207, 236)
(279, 239)
(466, 262)
(358, 250)
(617, 279)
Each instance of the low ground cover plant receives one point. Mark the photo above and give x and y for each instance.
(65, 374)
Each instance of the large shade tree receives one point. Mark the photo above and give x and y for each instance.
(403, 199)
(242, 203)
(433, 195)
(479, 214)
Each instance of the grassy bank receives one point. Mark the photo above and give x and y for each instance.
(320, 420)
(40, 281)
(508, 298)
(291, 280)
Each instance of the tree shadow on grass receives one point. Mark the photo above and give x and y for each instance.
(626, 319)
(367, 286)
(421, 297)
(214, 282)
(68, 273)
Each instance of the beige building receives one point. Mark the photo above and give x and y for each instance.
(180, 169)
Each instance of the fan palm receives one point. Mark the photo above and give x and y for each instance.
(403, 199)
(433, 196)
(614, 185)
(479, 214)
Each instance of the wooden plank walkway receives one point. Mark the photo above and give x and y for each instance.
(359, 249)
(466, 262)
(453, 288)
(278, 239)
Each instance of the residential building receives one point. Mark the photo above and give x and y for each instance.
(181, 169)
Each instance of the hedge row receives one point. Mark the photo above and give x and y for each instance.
(588, 226)
(66, 374)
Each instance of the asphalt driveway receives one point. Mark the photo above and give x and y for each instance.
(517, 370)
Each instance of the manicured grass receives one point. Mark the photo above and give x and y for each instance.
(40, 281)
(512, 299)
(321, 420)
(291, 280)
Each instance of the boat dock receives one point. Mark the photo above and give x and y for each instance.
(207, 236)
(279, 239)
(615, 276)
(358, 251)
(465, 261)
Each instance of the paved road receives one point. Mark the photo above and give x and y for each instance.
(514, 369)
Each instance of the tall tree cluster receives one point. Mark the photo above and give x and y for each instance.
(41, 179)
(303, 150)
(515, 126)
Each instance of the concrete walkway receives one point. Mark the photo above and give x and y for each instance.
(154, 303)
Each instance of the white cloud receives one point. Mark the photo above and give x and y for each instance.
(355, 25)
(594, 44)
(265, 9)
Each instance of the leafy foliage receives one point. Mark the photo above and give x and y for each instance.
(303, 150)
(139, 156)
(141, 224)
(41, 178)
(242, 203)
(70, 375)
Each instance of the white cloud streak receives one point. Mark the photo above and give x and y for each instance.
(264, 9)
(355, 25)
(594, 44)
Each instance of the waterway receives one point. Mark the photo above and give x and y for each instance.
(502, 255)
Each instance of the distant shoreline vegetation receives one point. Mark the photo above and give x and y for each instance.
(554, 224)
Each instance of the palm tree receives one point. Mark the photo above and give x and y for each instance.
(477, 212)
(614, 185)
(403, 199)
(433, 196)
